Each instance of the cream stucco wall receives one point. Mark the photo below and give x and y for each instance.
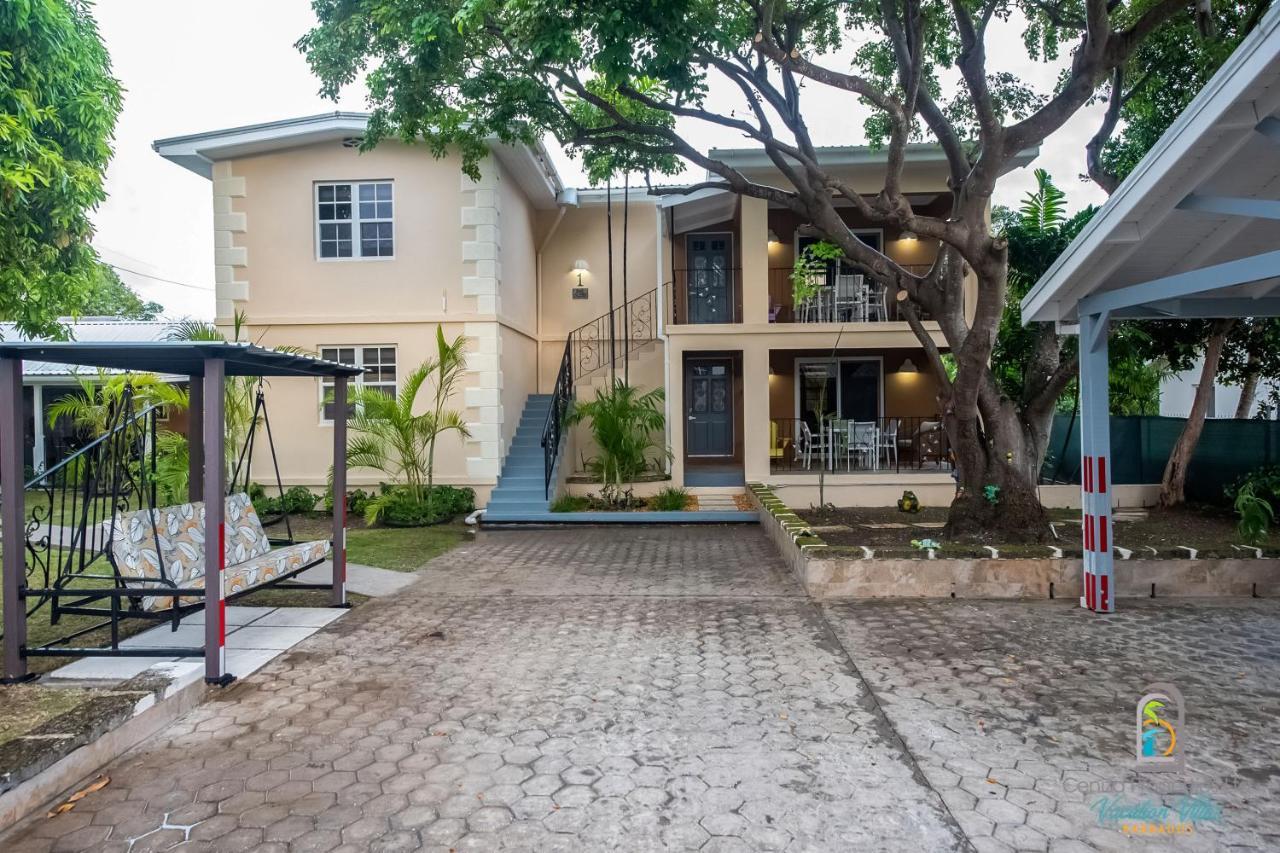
(464, 260)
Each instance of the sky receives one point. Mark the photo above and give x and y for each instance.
(194, 65)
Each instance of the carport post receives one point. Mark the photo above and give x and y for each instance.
(12, 516)
(339, 597)
(195, 439)
(215, 604)
(1095, 467)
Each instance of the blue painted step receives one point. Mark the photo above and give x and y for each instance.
(521, 488)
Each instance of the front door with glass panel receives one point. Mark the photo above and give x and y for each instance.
(708, 401)
(709, 293)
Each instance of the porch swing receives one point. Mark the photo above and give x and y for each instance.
(164, 545)
(100, 506)
(155, 552)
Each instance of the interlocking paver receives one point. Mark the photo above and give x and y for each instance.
(601, 689)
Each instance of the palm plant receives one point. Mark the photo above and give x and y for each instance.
(389, 437)
(626, 426)
(96, 401)
(238, 393)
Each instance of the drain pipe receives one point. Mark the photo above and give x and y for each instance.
(473, 520)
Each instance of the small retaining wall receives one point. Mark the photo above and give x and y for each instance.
(828, 574)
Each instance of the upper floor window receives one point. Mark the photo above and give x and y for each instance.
(379, 365)
(355, 220)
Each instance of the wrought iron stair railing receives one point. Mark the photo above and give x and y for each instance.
(553, 428)
(601, 343)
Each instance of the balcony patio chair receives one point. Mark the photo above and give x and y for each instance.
(889, 443)
(850, 298)
(877, 303)
(813, 309)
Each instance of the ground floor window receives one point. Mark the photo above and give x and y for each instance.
(379, 363)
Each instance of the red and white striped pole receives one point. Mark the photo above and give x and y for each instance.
(1095, 454)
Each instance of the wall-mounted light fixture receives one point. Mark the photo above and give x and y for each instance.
(773, 236)
(907, 235)
(580, 266)
(908, 366)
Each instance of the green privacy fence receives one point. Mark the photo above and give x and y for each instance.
(1140, 447)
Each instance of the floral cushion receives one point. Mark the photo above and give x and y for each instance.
(245, 537)
(173, 549)
(281, 561)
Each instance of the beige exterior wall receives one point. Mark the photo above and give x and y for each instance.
(477, 258)
(464, 260)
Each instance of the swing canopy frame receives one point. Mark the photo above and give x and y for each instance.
(110, 490)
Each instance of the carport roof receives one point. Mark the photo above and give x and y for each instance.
(183, 358)
(1193, 231)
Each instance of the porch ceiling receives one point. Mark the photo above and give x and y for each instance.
(700, 209)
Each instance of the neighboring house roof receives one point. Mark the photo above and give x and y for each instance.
(838, 156)
(197, 152)
(1203, 196)
(89, 329)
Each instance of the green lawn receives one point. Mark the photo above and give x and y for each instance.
(63, 508)
(402, 549)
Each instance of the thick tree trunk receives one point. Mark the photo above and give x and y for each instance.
(1173, 486)
(997, 471)
(1249, 390)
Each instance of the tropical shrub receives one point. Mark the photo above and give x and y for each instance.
(387, 436)
(401, 508)
(571, 503)
(627, 428)
(670, 499)
(1254, 497)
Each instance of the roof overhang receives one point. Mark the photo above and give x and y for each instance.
(530, 165)
(1192, 231)
(183, 358)
(849, 156)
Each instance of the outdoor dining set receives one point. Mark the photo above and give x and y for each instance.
(860, 444)
(843, 298)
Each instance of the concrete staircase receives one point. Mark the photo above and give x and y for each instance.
(521, 489)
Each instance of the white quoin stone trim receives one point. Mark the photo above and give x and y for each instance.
(231, 288)
(483, 398)
(482, 239)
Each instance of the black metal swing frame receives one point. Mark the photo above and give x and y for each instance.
(131, 438)
(117, 473)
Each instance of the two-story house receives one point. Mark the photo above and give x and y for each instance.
(360, 256)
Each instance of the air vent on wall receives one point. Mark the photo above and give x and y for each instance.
(351, 142)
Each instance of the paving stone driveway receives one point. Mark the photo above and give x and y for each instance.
(613, 689)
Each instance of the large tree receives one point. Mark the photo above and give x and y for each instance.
(58, 108)
(108, 296)
(457, 72)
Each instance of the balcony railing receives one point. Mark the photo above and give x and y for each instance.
(850, 299)
(848, 446)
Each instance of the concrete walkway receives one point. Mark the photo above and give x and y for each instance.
(671, 689)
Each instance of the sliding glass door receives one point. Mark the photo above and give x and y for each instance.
(846, 388)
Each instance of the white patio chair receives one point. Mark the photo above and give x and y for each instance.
(889, 443)
(850, 298)
(877, 304)
(812, 443)
(862, 444)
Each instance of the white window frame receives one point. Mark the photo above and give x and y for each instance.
(857, 232)
(356, 381)
(355, 220)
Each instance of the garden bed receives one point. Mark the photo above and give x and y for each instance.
(894, 568)
(1209, 531)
